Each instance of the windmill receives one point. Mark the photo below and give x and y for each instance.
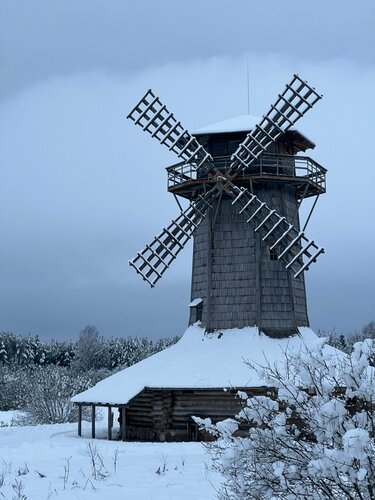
(244, 181)
(249, 254)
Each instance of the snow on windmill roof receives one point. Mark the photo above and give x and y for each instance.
(245, 123)
(241, 123)
(198, 360)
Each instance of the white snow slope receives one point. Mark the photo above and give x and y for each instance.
(198, 360)
(35, 461)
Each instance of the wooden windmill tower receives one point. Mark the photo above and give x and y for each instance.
(244, 184)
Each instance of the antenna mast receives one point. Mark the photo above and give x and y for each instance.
(248, 86)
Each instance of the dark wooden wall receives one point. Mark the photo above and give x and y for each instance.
(234, 275)
(166, 414)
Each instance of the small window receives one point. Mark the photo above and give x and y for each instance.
(196, 306)
(273, 254)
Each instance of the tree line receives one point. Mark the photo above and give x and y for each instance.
(90, 351)
(39, 377)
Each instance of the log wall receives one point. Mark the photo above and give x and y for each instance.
(166, 414)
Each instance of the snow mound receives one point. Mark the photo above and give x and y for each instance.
(198, 360)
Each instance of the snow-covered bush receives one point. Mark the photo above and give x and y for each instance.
(51, 388)
(126, 351)
(368, 330)
(311, 437)
(14, 386)
(92, 357)
(346, 342)
(27, 350)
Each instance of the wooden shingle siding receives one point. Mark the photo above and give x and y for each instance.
(239, 284)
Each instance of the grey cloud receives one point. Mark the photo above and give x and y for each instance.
(40, 40)
(82, 190)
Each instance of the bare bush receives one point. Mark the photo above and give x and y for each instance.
(51, 389)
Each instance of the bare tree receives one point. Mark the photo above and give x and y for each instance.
(92, 350)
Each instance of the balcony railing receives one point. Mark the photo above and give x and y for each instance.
(267, 166)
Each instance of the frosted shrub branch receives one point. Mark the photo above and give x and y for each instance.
(311, 436)
(98, 469)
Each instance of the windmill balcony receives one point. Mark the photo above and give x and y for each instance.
(305, 173)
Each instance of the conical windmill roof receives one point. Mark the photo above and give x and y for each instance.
(199, 361)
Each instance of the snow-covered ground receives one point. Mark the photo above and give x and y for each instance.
(51, 461)
(9, 417)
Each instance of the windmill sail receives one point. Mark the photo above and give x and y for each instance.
(291, 245)
(152, 262)
(297, 98)
(154, 118)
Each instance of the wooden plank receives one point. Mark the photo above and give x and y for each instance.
(79, 420)
(93, 421)
(109, 423)
(123, 423)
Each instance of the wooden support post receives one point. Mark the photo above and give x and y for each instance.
(93, 421)
(109, 423)
(123, 422)
(79, 420)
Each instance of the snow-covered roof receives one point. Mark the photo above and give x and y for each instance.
(196, 302)
(197, 360)
(241, 123)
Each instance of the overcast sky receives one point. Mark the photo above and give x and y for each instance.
(82, 189)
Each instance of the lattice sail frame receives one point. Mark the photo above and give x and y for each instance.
(152, 262)
(153, 117)
(291, 245)
(297, 98)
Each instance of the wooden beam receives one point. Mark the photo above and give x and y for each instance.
(109, 423)
(79, 420)
(123, 422)
(93, 421)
